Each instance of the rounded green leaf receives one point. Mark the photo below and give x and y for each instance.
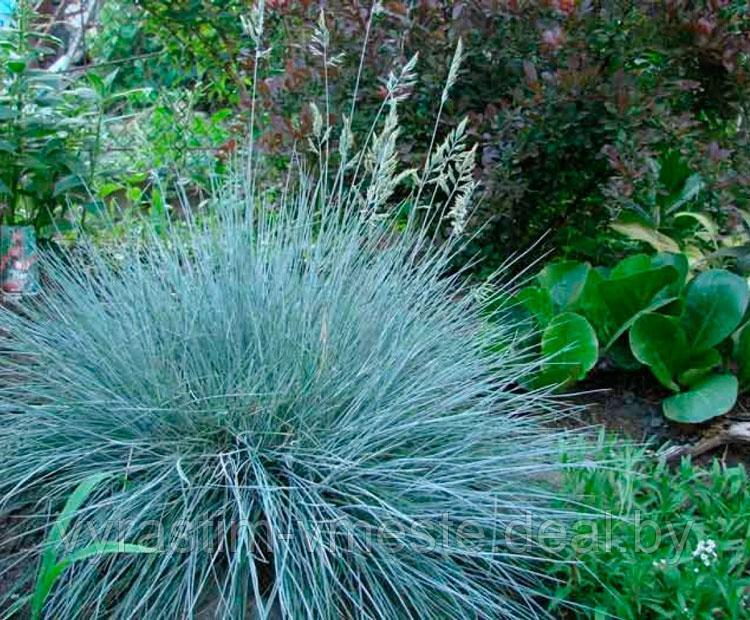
(590, 304)
(712, 397)
(564, 280)
(680, 263)
(538, 302)
(626, 297)
(570, 348)
(629, 265)
(660, 343)
(715, 302)
(621, 356)
(677, 260)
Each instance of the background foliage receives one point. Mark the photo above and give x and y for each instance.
(572, 103)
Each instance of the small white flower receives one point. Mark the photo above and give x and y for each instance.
(705, 551)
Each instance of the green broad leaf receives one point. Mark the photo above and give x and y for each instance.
(698, 367)
(571, 349)
(742, 356)
(715, 302)
(67, 183)
(710, 398)
(679, 262)
(629, 296)
(660, 343)
(620, 355)
(590, 304)
(538, 302)
(564, 280)
(630, 265)
(659, 302)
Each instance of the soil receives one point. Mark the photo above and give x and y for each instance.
(629, 404)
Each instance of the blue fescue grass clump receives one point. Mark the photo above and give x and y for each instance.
(297, 407)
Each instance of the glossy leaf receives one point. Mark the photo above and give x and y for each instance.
(698, 367)
(679, 262)
(570, 347)
(710, 398)
(538, 302)
(564, 280)
(660, 343)
(629, 295)
(621, 356)
(590, 304)
(742, 356)
(715, 302)
(629, 265)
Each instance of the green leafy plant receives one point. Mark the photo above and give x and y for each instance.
(643, 311)
(46, 131)
(681, 351)
(662, 542)
(652, 214)
(707, 243)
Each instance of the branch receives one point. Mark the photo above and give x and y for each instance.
(74, 45)
(738, 432)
